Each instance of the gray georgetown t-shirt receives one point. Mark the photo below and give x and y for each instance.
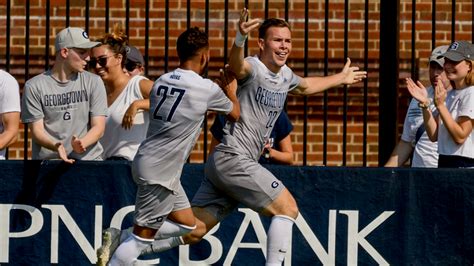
(66, 109)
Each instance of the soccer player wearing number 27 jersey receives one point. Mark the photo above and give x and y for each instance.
(179, 101)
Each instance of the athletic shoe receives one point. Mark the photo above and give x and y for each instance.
(110, 242)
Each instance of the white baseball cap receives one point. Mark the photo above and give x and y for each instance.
(73, 38)
(436, 54)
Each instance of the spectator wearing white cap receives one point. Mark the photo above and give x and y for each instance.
(66, 106)
(134, 64)
(452, 125)
(414, 138)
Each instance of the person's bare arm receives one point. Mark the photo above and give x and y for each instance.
(11, 123)
(400, 154)
(144, 104)
(40, 136)
(284, 153)
(237, 64)
(96, 131)
(311, 85)
(419, 92)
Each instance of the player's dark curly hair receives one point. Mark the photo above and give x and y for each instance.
(271, 22)
(117, 41)
(190, 42)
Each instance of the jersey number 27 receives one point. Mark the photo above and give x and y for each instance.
(169, 101)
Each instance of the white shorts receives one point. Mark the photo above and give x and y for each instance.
(231, 179)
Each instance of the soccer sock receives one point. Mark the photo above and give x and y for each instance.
(171, 229)
(162, 245)
(279, 235)
(128, 252)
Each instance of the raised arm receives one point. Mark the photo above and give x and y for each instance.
(419, 92)
(459, 129)
(311, 85)
(237, 63)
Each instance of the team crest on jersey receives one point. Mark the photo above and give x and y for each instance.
(275, 184)
(67, 116)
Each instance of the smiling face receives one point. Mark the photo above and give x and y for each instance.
(457, 71)
(105, 63)
(275, 47)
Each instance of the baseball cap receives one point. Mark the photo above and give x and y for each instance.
(437, 53)
(460, 50)
(134, 55)
(73, 38)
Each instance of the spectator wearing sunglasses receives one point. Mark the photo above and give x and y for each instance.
(135, 64)
(65, 106)
(127, 97)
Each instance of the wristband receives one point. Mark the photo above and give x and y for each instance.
(425, 105)
(240, 39)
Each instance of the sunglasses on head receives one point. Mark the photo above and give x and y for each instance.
(101, 60)
(130, 66)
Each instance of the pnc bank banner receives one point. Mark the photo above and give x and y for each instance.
(53, 213)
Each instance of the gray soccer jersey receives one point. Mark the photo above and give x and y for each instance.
(179, 101)
(66, 109)
(262, 97)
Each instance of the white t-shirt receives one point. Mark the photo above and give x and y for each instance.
(118, 141)
(426, 151)
(459, 103)
(9, 99)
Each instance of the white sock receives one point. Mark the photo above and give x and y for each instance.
(279, 235)
(163, 245)
(170, 229)
(129, 250)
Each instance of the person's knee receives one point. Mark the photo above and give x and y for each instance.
(292, 210)
(285, 204)
(196, 234)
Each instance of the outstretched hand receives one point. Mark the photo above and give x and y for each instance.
(246, 25)
(62, 153)
(417, 90)
(352, 74)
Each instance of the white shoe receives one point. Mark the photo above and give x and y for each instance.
(110, 242)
